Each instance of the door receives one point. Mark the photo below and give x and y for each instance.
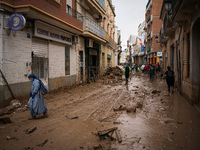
(81, 65)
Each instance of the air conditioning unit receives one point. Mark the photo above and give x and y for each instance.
(89, 43)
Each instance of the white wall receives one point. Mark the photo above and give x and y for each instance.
(15, 52)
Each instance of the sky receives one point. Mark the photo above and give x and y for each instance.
(129, 14)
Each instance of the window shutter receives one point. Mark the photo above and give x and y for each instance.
(69, 3)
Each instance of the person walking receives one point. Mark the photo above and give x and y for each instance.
(36, 101)
(127, 70)
(169, 74)
(151, 72)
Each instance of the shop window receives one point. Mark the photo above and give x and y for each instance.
(39, 66)
(188, 54)
(67, 60)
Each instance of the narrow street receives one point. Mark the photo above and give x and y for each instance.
(161, 123)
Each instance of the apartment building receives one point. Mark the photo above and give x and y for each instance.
(153, 25)
(37, 37)
(179, 36)
(97, 43)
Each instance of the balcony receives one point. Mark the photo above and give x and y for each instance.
(110, 40)
(163, 38)
(89, 26)
(149, 35)
(97, 7)
(75, 14)
(148, 20)
(148, 49)
(168, 26)
(149, 5)
(102, 3)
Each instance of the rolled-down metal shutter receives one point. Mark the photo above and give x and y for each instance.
(39, 47)
(40, 58)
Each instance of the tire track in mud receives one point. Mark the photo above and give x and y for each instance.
(106, 107)
(86, 105)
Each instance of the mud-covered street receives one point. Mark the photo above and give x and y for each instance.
(154, 121)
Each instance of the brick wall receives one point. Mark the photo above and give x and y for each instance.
(57, 11)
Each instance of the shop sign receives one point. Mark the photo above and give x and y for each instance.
(155, 56)
(47, 31)
(16, 22)
(159, 54)
(108, 56)
(142, 50)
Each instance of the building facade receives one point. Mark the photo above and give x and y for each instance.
(44, 47)
(153, 25)
(179, 36)
(63, 42)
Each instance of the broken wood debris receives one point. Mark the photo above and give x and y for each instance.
(108, 134)
(30, 130)
(43, 143)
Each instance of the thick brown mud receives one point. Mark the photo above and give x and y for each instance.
(161, 122)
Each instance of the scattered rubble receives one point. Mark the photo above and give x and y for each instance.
(15, 103)
(134, 107)
(120, 108)
(113, 73)
(5, 120)
(156, 92)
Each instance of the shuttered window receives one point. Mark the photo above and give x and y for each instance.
(40, 58)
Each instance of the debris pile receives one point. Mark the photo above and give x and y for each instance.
(113, 72)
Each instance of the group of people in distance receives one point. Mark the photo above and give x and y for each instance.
(152, 69)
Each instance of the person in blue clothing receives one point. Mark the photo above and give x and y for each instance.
(36, 101)
(127, 70)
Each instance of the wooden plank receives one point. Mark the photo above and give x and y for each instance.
(119, 138)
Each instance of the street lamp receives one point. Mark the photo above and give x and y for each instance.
(168, 5)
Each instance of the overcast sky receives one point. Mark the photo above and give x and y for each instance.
(129, 14)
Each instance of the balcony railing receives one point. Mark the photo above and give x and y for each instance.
(163, 39)
(148, 34)
(110, 40)
(75, 14)
(148, 3)
(102, 3)
(90, 25)
(148, 19)
(174, 2)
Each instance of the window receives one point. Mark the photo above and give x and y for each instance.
(57, 1)
(67, 60)
(69, 7)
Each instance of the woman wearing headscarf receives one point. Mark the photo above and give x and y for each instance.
(36, 101)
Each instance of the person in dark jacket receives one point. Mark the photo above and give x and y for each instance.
(127, 70)
(169, 74)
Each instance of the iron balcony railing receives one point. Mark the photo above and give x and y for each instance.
(75, 14)
(148, 4)
(174, 2)
(102, 3)
(148, 19)
(90, 25)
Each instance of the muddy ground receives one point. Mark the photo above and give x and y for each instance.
(160, 123)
